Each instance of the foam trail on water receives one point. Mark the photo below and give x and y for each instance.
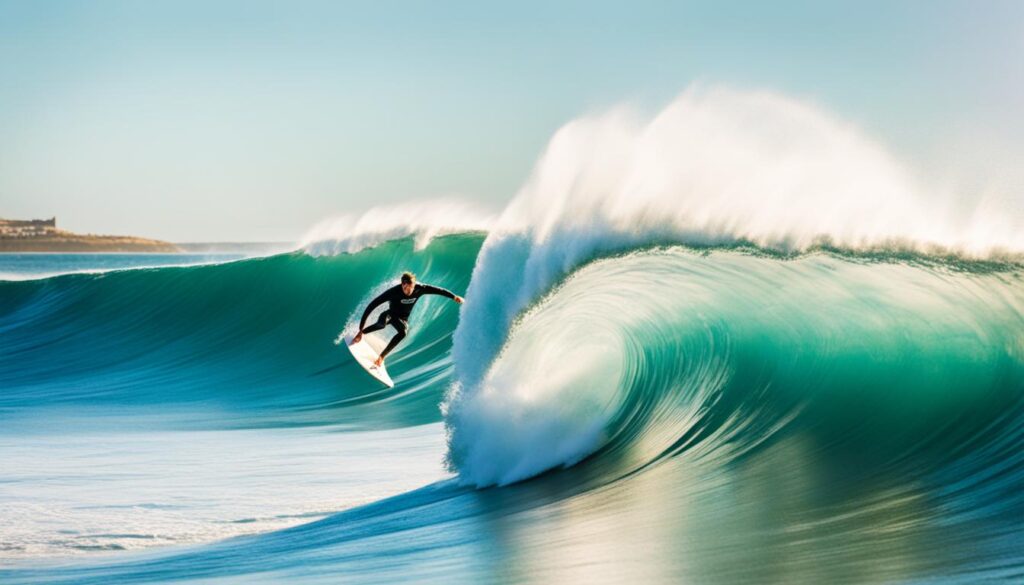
(422, 220)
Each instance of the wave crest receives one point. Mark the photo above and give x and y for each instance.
(422, 220)
(715, 168)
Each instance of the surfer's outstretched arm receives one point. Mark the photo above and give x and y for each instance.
(436, 290)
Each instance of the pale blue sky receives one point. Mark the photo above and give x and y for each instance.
(202, 121)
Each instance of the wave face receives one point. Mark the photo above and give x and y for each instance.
(237, 344)
(668, 351)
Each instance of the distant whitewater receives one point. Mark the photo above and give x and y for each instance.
(734, 342)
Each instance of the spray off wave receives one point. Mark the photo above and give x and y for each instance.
(716, 168)
(422, 221)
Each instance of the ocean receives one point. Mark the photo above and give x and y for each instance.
(665, 371)
(664, 414)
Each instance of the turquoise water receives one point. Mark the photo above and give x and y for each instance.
(655, 414)
(41, 265)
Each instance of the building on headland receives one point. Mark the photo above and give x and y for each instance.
(27, 228)
(41, 235)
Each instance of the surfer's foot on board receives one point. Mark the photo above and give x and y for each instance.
(358, 337)
(379, 362)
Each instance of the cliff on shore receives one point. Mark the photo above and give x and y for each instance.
(62, 241)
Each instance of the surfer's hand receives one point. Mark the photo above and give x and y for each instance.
(458, 299)
(358, 337)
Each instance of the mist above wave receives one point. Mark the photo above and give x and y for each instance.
(421, 220)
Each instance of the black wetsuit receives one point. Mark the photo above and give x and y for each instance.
(399, 308)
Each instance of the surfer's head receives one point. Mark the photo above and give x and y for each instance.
(408, 282)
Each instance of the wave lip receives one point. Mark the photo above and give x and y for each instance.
(555, 410)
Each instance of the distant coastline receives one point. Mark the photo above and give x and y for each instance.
(71, 242)
(42, 235)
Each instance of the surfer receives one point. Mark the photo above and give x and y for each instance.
(401, 299)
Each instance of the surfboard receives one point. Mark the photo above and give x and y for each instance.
(365, 355)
